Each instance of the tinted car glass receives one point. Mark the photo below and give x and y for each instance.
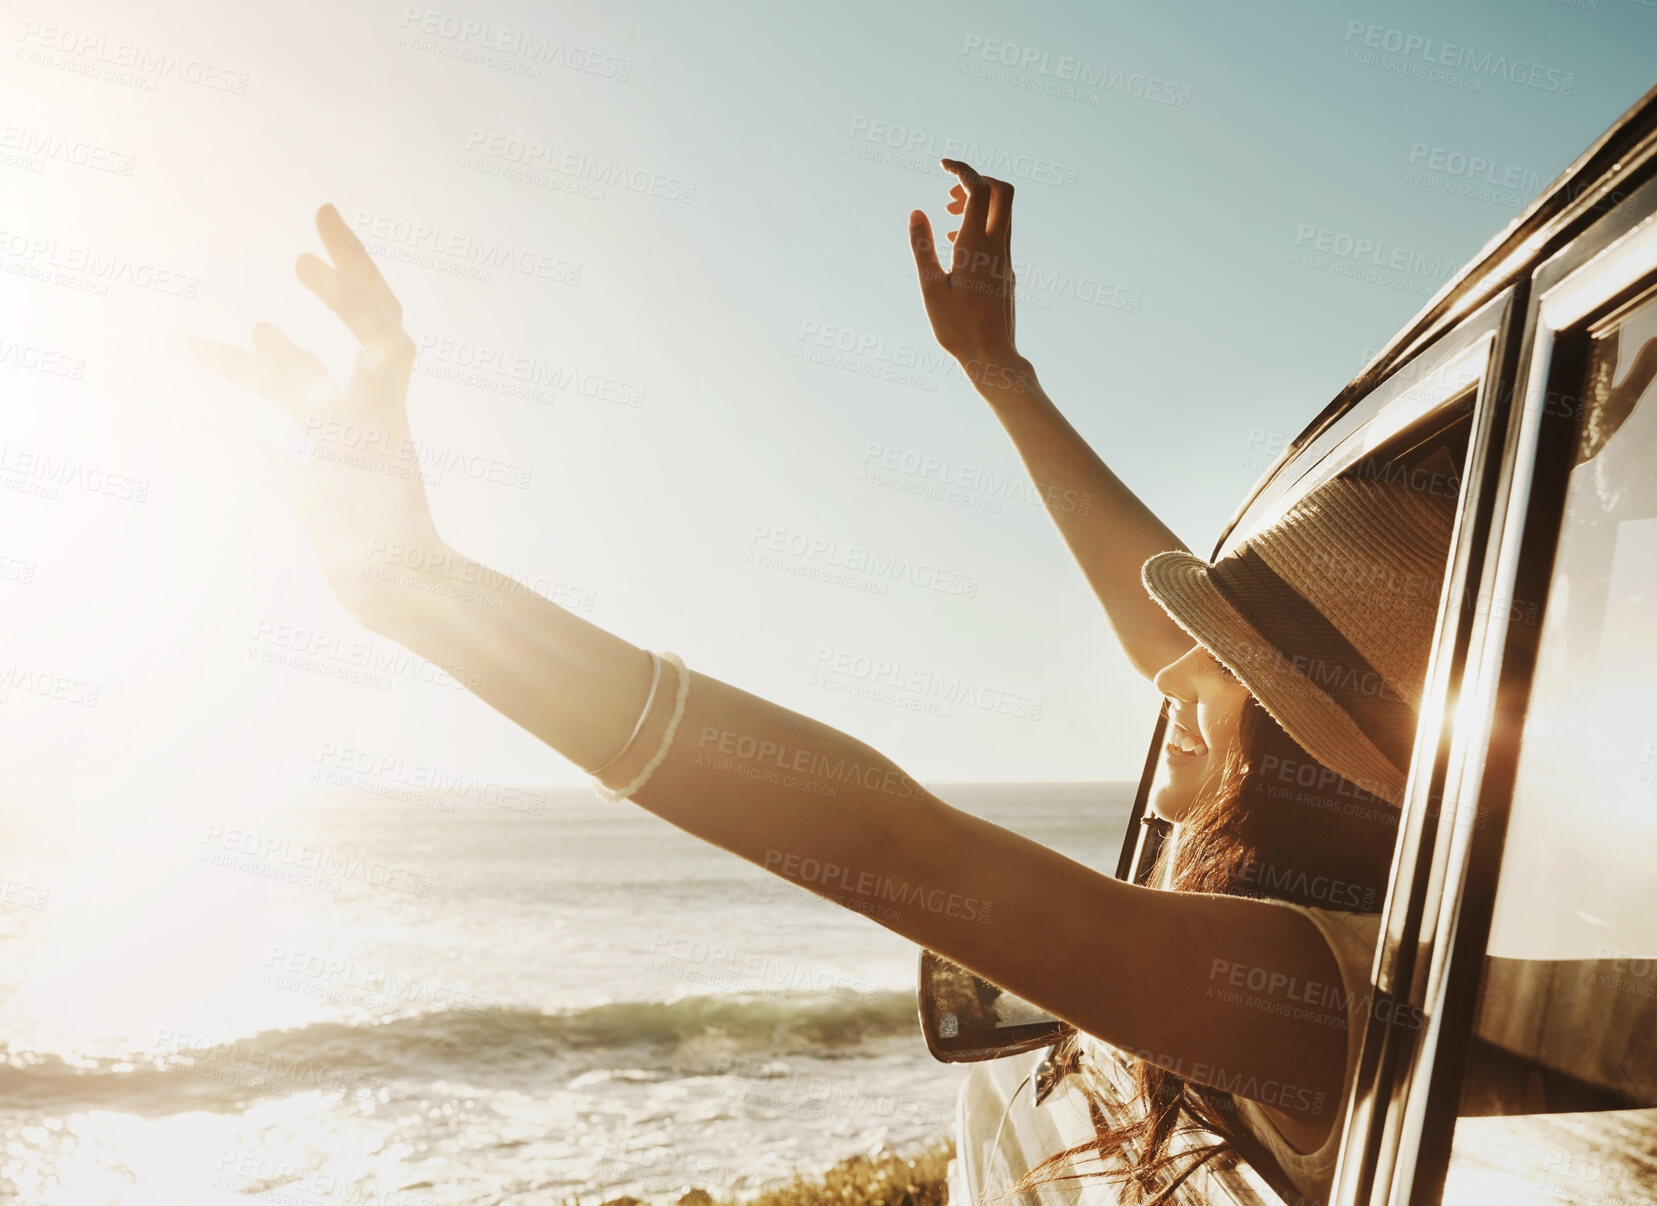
(1569, 996)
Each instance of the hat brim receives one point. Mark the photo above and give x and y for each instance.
(1183, 585)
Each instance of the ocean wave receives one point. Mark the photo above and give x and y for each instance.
(694, 1035)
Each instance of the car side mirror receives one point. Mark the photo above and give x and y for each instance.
(965, 1018)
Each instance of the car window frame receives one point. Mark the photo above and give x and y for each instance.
(1404, 1155)
(1369, 1146)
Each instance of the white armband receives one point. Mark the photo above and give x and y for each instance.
(621, 793)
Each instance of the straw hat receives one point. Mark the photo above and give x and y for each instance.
(1327, 618)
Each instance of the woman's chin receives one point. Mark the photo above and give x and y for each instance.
(1178, 780)
(1171, 802)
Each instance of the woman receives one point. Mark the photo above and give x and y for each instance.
(784, 791)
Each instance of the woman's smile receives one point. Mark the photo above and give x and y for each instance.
(1204, 705)
(1183, 745)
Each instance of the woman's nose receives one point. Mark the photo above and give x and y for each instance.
(1177, 680)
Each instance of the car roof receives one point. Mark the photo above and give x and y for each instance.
(1535, 233)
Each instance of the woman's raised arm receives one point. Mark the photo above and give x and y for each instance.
(1108, 530)
(1134, 966)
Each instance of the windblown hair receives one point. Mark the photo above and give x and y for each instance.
(1260, 832)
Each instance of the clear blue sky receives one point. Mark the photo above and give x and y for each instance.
(1211, 146)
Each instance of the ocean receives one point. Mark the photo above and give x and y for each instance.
(409, 996)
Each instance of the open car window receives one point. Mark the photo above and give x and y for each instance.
(1415, 431)
(1442, 381)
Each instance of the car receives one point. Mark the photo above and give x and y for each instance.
(1511, 1055)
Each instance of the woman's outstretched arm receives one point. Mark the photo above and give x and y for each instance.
(1151, 972)
(1136, 967)
(1108, 530)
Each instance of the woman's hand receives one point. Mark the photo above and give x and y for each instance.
(971, 306)
(360, 493)
(1110, 532)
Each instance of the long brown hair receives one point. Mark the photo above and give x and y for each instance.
(1277, 826)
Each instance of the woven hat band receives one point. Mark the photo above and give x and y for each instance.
(1302, 651)
(1371, 556)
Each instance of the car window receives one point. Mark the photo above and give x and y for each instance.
(1562, 1081)
(1421, 441)
(1439, 382)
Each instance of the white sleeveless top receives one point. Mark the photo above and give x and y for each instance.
(1352, 937)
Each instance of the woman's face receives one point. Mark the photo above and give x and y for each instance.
(1205, 706)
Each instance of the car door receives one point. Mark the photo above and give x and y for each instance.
(1533, 902)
